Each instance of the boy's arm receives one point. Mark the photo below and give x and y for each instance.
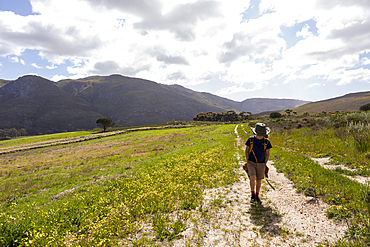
(246, 151)
(267, 155)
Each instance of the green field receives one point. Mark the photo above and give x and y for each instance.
(99, 192)
(142, 188)
(43, 138)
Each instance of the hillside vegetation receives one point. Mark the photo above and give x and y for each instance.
(349, 102)
(43, 107)
(145, 188)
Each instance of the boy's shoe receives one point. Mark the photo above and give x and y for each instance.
(253, 199)
(258, 200)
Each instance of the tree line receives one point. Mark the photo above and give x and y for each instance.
(229, 116)
(11, 133)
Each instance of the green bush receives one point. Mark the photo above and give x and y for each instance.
(365, 107)
(275, 115)
(361, 135)
(342, 120)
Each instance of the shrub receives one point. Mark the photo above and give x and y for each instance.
(275, 115)
(361, 135)
(365, 107)
(342, 120)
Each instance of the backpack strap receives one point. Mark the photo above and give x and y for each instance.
(251, 146)
(265, 142)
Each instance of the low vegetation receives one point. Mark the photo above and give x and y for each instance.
(229, 116)
(345, 139)
(104, 192)
(143, 188)
(365, 107)
(12, 133)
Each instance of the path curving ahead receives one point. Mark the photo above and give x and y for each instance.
(286, 218)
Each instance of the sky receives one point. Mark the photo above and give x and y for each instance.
(294, 49)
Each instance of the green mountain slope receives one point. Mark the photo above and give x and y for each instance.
(348, 102)
(132, 101)
(40, 105)
(43, 106)
(254, 106)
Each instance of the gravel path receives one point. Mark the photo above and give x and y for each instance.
(285, 217)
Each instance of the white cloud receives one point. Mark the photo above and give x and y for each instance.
(241, 89)
(36, 66)
(314, 85)
(14, 59)
(304, 32)
(351, 76)
(51, 67)
(190, 41)
(57, 78)
(17, 60)
(366, 61)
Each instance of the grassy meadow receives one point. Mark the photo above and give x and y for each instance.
(43, 138)
(102, 192)
(141, 188)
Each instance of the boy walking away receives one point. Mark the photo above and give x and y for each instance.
(257, 152)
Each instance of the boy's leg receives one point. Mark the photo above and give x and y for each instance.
(252, 171)
(252, 182)
(260, 176)
(258, 185)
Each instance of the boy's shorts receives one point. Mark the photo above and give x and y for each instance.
(253, 171)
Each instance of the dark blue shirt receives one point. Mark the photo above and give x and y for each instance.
(258, 149)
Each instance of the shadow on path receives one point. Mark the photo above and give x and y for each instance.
(267, 218)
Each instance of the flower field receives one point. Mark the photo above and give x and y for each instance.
(145, 188)
(131, 189)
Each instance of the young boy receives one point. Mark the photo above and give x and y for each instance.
(257, 158)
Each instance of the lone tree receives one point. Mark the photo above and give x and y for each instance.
(105, 122)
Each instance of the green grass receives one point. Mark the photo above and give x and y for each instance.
(349, 200)
(41, 138)
(345, 196)
(104, 192)
(328, 142)
(139, 188)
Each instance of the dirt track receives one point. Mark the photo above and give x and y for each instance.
(285, 217)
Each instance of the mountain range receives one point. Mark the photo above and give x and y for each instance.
(44, 106)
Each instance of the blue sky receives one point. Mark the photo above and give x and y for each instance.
(238, 49)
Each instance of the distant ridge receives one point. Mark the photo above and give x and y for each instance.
(348, 102)
(43, 106)
(3, 82)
